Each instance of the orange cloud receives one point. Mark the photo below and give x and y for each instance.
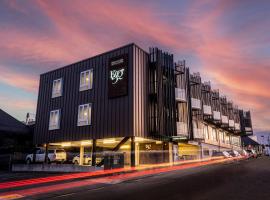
(81, 29)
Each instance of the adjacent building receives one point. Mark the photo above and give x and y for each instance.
(16, 138)
(144, 104)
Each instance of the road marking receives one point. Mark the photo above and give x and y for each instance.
(11, 196)
(107, 181)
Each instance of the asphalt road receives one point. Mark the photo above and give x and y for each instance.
(239, 180)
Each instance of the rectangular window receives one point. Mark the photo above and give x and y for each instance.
(84, 114)
(57, 88)
(54, 120)
(86, 80)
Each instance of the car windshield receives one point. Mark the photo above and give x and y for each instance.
(60, 151)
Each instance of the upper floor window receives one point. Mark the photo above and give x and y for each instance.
(84, 114)
(57, 88)
(86, 80)
(54, 122)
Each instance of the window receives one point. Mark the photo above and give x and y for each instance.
(57, 88)
(205, 132)
(84, 114)
(40, 151)
(214, 134)
(54, 120)
(86, 80)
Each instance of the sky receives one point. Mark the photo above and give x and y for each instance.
(227, 41)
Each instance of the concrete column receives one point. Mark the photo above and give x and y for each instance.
(137, 154)
(132, 152)
(170, 153)
(201, 150)
(94, 149)
(46, 153)
(81, 155)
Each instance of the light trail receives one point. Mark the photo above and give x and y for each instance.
(133, 172)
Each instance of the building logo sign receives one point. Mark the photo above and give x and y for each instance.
(118, 76)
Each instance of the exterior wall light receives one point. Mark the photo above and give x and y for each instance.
(86, 142)
(109, 141)
(66, 144)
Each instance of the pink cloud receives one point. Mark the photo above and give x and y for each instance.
(83, 28)
(19, 80)
(225, 59)
(17, 107)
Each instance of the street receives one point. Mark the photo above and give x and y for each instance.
(247, 179)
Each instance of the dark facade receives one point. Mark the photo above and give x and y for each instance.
(162, 94)
(183, 105)
(245, 122)
(133, 93)
(124, 115)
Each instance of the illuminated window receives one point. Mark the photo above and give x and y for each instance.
(84, 114)
(54, 122)
(57, 88)
(86, 80)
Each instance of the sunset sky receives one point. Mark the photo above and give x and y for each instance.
(228, 42)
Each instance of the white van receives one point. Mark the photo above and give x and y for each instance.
(54, 155)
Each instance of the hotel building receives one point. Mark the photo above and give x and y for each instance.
(144, 104)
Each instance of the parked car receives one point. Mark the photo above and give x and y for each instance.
(217, 154)
(252, 153)
(234, 153)
(54, 155)
(87, 159)
(245, 153)
(255, 154)
(226, 154)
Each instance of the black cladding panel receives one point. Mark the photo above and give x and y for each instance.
(117, 109)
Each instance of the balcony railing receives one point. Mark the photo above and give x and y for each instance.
(198, 133)
(196, 103)
(224, 119)
(216, 115)
(181, 128)
(207, 110)
(180, 94)
(237, 126)
(231, 123)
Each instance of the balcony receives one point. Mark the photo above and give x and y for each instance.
(196, 104)
(207, 110)
(216, 115)
(237, 126)
(248, 129)
(224, 119)
(198, 133)
(231, 123)
(180, 95)
(181, 128)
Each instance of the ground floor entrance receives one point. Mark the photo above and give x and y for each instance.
(130, 151)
